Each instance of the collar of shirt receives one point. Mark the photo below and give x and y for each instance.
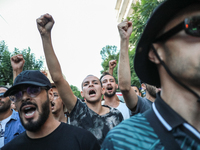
(169, 118)
(14, 115)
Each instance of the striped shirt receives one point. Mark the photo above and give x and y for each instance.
(137, 134)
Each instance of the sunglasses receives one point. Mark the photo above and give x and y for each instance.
(32, 91)
(2, 95)
(191, 25)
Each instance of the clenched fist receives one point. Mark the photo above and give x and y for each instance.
(17, 62)
(45, 24)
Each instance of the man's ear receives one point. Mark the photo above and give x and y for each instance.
(143, 86)
(51, 96)
(117, 86)
(152, 55)
(102, 90)
(82, 94)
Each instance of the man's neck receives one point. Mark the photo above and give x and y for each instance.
(183, 102)
(48, 127)
(149, 97)
(98, 108)
(6, 114)
(60, 116)
(112, 101)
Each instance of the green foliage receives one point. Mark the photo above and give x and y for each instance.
(30, 61)
(5, 67)
(76, 92)
(109, 53)
(139, 17)
(6, 74)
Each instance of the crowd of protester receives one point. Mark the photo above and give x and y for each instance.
(38, 114)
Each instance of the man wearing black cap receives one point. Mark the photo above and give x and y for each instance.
(32, 94)
(168, 53)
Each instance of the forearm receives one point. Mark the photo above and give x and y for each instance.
(51, 59)
(16, 73)
(56, 74)
(110, 71)
(124, 74)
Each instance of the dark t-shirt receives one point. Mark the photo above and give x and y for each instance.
(142, 105)
(83, 117)
(63, 137)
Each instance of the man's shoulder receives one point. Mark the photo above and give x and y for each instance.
(113, 111)
(137, 124)
(16, 142)
(132, 133)
(138, 121)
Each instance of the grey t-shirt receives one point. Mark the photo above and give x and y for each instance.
(82, 116)
(142, 105)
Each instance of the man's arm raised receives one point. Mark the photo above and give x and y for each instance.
(17, 63)
(45, 24)
(112, 65)
(124, 74)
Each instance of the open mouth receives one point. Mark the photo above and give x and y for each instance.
(92, 92)
(52, 105)
(109, 88)
(29, 110)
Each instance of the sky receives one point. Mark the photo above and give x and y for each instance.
(82, 28)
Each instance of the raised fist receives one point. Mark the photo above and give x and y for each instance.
(45, 24)
(17, 62)
(125, 29)
(112, 64)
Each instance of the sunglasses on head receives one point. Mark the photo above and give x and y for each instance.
(2, 95)
(191, 25)
(32, 91)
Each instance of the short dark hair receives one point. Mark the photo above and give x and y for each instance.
(88, 76)
(135, 86)
(106, 73)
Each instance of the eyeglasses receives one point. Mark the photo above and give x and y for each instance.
(191, 26)
(32, 91)
(2, 95)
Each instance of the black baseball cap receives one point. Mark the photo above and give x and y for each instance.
(144, 68)
(29, 77)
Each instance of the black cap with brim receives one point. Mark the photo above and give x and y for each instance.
(29, 77)
(144, 68)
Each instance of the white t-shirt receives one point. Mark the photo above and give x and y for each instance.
(122, 108)
(2, 130)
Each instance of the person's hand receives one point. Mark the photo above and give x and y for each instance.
(112, 64)
(17, 62)
(125, 29)
(45, 24)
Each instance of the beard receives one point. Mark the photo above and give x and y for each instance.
(110, 94)
(34, 126)
(6, 105)
(151, 90)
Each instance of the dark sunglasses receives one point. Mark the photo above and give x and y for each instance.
(32, 91)
(2, 95)
(191, 26)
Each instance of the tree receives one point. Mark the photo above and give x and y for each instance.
(5, 67)
(141, 13)
(76, 92)
(6, 74)
(109, 53)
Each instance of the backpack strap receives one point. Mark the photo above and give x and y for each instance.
(166, 137)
